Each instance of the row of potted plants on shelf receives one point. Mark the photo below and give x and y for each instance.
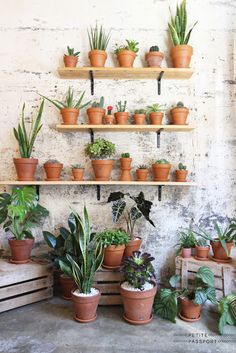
(181, 52)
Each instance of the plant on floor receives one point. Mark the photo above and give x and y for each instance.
(125, 155)
(98, 38)
(100, 149)
(121, 107)
(112, 237)
(131, 45)
(227, 311)
(186, 241)
(71, 52)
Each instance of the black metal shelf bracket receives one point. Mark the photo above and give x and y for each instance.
(91, 81)
(159, 192)
(37, 188)
(98, 192)
(159, 82)
(159, 138)
(91, 135)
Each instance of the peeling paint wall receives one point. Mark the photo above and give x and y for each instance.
(34, 35)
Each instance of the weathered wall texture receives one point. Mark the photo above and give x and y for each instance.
(34, 35)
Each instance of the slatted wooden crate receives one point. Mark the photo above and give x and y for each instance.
(108, 281)
(24, 284)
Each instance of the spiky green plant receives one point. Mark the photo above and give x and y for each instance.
(26, 140)
(121, 107)
(71, 52)
(99, 104)
(98, 38)
(131, 45)
(125, 155)
(155, 108)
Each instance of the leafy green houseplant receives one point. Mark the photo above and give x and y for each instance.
(98, 41)
(20, 212)
(155, 112)
(179, 114)
(96, 112)
(161, 169)
(154, 58)
(26, 165)
(126, 53)
(181, 173)
(227, 311)
(186, 243)
(71, 57)
(121, 115)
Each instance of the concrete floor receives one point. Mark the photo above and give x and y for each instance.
(48, 327)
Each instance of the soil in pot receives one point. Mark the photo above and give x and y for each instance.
(139, 119)
(126, 58)
(181, 175)
(161, 171)
(113, 256)
(69, 116)
(181, 56)
(189, 311)
(219, 253)
(141, 174)
(78, 174)
(109, 119)
(97, 58)
(156, 118)
(133, 245)
(53, 171)
(85, 305)
(95, 115)
(102, 169)
(68, 285)
(179, 115)
(154, 58)
(186, 252)
(20, 250)
(70, 60)
(122, 118)
(202, 253)
(25, 168)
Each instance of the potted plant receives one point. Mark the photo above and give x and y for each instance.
(71, 58)
(138, 289)
(98, 41)
(155, 112)
(20, 212)
(126, 54)
(69, 108)
(26, 166)
(181, 173)
(77, 172)
(53, 169)
(179, 114)
(186, 243)
(161, 169)
(121, 115)
(139, 207)
(202, 249)
(181, 53)
(125, 166)
(113, 242)
(227, 311)
(154, 57)
(109, 118)
(142, 172)
(99, 151)
(96, 112)
(139, 117)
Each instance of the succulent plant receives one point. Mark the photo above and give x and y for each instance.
(77, 166)
(155, 108)
(162, 161)
(99, 104)
(71, 52)
(131, 45)
(125, 155)
(154, 48)
(181, 166)
(121, 107)
(180, 105)
(52, 161)
(142, 166)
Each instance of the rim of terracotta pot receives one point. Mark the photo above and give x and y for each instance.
(137, 294)
(97, 51)
(133, 241)
(164, 166)
(97, 109)
(127, 52)
(155, 53)
(102, 161)
(85, 299)
(74, 110)
(53, 165)
(182, 46)
(25, 160)
(181, 110)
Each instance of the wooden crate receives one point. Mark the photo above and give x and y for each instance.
(108, 281)
(24, 284)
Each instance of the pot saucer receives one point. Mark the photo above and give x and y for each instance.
(66, 298)
(202, 258)
(85, 321)
(138, 322)
(221, 261)
(19, 262)
(189, 320)
(111, 267)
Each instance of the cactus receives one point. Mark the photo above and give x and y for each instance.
(99, 104)
(162, 161)
(180, 105)
(181, 166)
(154, 48)
(121, 107)
(125, 155)
(140, 111)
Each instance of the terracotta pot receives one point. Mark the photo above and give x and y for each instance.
(69, 116)
(161, 171)
(138, 305)
(20, 250)
(122, 118)
(78, 174)
(68, 285)
(219, 252)
(86, 307)
(186, 252)
(133, 245)
(53, 171)
(189, 310)
(141, 174)
(70, 60)
(25, 168)
(126, 58)
(95, 115)
(102, 169)
(125, 166)
(181, 56)
(181, 175)
(139, 119)
(156, 118)
(97, 58)
(179, 115)
(125, 162)
(109, 119)
(113, 256)
(202, 252)
(154, 58)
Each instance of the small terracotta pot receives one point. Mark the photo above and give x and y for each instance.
(95, 115)
(126, 58)
(70, 60)
(25, 168)
(186, 252)
(78, 174)
(97, 58)
(125, 162)
(139, 119)
(154, 58)
(20, 250)
(156, 118)
(102, 169)
(181, 175)
(161, 171)
(113, 256)
(53, 171)
(122, 118)
(189, 311)
(85, 307)
(179, 115)
(138, 305)
(219, 252)
(109, 119)
(69, 116)
(181, 56)
(68, 285)
(133, 245)
(202, 252)
(141, 174)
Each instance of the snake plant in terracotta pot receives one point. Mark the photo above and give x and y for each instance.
(96, 112)
(186, 243)
(126, 54)
(71, 58)
(154, 57)
(98, 41)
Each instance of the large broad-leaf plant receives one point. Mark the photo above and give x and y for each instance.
(227, 311)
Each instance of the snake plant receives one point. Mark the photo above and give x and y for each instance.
(98, 38)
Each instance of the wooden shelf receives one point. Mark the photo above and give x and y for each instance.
(93, 182)
(124, 73)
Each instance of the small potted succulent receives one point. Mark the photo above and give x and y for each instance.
(161, 169)
(181, 53)
(26, 165)
(69, 108)
(100, 152)
(202, 249)
(181, 173)
(71, 58)
(113, 242)
(121, 115)
(96, 112)
(77, 172)
(155, 112)
(125, 166)
(186, 243)
(140, 116)
(53, 169)
(98, 41)
(179, 114)
(139, 288)
(126, 54)
(142, 172)
(109, 118)
(154, 57)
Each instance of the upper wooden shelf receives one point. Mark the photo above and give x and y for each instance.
(125, 73)
(93, 182)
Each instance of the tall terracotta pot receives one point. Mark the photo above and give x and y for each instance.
(156, 118)
(161, 171)
(70, 60)
(68, 284)
(122, 118)
(141, 174)
(85, 307)
(102, 169)
(97, 58)
(219, 253)
(20, 250)
(25, 168)
(179, 115)
(69, 116)
(154, 58)
(95, 115)
(181, 175)
(126, 58)
(181, 56)
(53, 171)
(133, 245)
(113, 256)
(139, 119)
(125, 166)
(189, 311)
(202, 252)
